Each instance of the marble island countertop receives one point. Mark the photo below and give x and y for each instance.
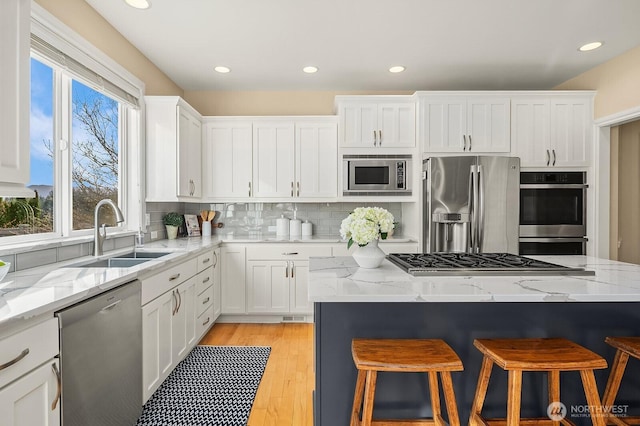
(339, 279)
(319, 238)
(41, 291)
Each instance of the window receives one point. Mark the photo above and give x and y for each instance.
(85, 139)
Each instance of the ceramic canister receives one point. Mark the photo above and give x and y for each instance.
(307, 228)
(282, 226)
(295, 227)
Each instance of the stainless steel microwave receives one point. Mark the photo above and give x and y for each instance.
(376, 175)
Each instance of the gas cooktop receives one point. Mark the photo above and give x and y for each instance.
(426, 264)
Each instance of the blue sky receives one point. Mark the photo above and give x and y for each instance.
(41, 127)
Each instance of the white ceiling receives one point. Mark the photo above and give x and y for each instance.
(444, 44)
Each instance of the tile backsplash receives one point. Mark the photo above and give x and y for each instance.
(260, 218)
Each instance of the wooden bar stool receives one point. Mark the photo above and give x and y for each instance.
(626, 346)
(430, 356)
(549, 355)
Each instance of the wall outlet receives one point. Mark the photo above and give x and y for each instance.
(154, 235)
(147, 219)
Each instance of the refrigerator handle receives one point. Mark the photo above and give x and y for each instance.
(480, 223)
(472, 184)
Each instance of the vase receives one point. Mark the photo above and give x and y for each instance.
(369, 256)
(172, 232)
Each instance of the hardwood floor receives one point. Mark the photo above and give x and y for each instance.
(284, 395)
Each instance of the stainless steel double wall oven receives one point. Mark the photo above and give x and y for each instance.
(553, 210)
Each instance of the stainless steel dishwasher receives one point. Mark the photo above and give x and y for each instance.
(101, 359)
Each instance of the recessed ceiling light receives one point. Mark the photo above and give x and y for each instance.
(310, 69)
(396, 69)
(222, 70)
(590, 46)
(138, 4)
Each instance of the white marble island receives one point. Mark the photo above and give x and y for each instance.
(386, 302)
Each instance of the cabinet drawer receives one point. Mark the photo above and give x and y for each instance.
(204, 280)
(164, 281)
(205, 261)
(204, 322)
(286, 251)
(204, 301)
(27, 349)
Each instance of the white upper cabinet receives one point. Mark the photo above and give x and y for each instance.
(174, 139)
(227, 159)
(376, 122)
(552, 130)
(283, 158)
(273, 159)
(15, 27)
(463, 123)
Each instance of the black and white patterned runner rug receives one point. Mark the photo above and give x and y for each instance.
(212, 386)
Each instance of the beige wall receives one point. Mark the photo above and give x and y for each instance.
(83, 19)
(616, 82)
(270, 103)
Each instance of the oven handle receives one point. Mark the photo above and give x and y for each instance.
(554, 240)
(553, 186)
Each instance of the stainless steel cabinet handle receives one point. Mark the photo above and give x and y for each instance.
(205, 301)
(469, 142)
(249, 189)
(548, 157)
(111, 306)
(179, 300)
(216, 256)
(290, 254)
(206, 280)
(375, 139)
(293, 265)
(54, 366)
(207, 321)
(174, 277)
(286, 270)
(554, 157)
(297, 189)
(207, 260)
(379, 137)
(464, 142)
(175, 298)
(15, 360)
(292, 188)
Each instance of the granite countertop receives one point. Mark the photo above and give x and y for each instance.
(339, 279)
(42, 291)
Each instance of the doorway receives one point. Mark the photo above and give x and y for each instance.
(625, 192)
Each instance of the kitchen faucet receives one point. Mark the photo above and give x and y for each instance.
(98, 237)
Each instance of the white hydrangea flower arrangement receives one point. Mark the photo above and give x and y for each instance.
(366, 224)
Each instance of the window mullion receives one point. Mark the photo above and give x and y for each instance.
(64, 149)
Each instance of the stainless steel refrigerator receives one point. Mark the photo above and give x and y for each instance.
(471, 204)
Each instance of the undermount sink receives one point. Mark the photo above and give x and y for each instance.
(142, 255)
(125, 260)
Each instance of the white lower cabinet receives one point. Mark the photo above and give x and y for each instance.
(233, 280)
(33, 399)
(278, 286)
(169, 321)
(217, 284)
(30, 377)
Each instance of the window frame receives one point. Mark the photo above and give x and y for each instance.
(130, 129)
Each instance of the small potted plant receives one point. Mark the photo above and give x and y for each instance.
(172, 221)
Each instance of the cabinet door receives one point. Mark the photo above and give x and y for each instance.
(157, 360)
(189, 156)
(571, 123)
(273, 160)
(29, 400)
(299, 288)
(227, 160)
(530, 131)
(15, 26)
(183, 321)
(316, 160)
(233, 280)
(358, 122)
(217, 276)
(444, 123)
(397, 125)
(488, 125)
(267, 286)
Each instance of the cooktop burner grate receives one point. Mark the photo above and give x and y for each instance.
(421, 264)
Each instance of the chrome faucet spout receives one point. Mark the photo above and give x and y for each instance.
(98, 237)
